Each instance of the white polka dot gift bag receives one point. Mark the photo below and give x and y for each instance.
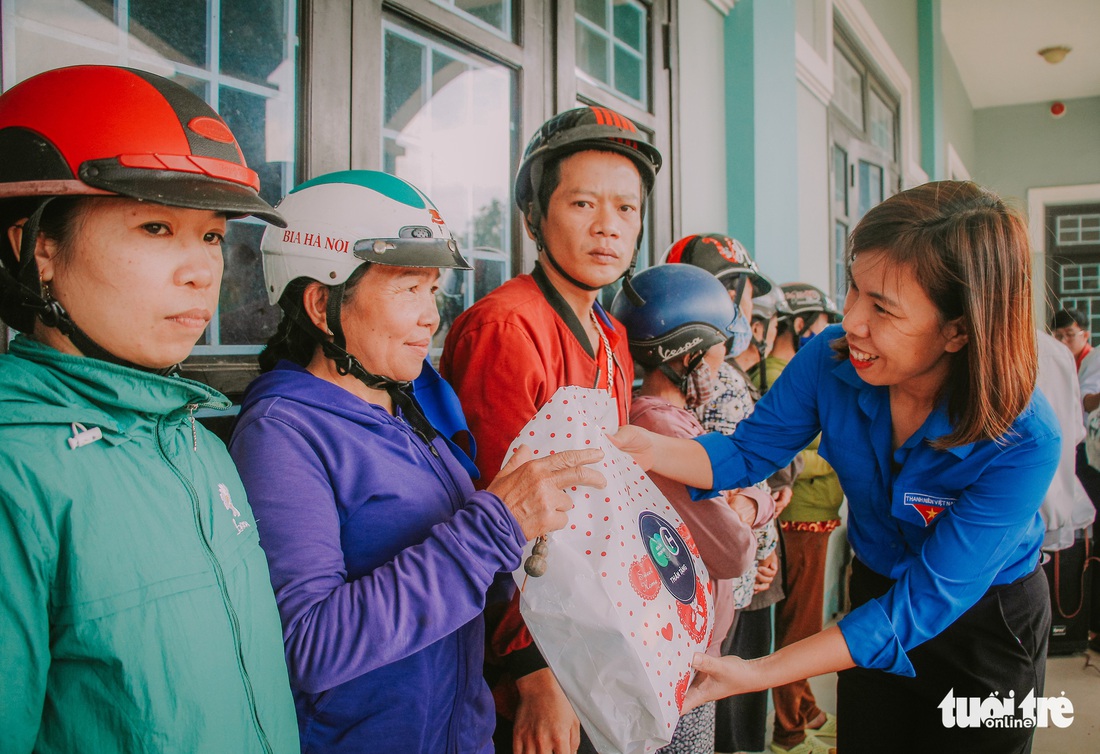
(625, 600)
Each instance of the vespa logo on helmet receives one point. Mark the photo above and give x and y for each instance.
(664, 355)
(317, 240)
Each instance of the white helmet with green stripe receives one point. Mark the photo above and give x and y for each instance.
(338, 221)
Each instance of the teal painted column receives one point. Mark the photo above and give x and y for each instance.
(931, 47)
(762, 132)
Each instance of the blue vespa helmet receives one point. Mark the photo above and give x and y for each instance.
(686, 311)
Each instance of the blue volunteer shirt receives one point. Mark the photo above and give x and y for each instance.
(945, 525)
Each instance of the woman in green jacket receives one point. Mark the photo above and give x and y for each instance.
(136, 613)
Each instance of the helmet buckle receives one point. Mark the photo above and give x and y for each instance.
(52, 313)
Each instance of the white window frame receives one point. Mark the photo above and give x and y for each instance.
(613, 43)
(1038, 199)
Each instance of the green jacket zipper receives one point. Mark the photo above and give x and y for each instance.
(219, 574)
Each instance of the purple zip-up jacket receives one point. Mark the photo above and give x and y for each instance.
(380, 553)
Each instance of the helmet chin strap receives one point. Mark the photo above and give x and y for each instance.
(49, 310)
(761, 346)
(534, 222)
(400, 392)
(566, 275)
(807, 323)
(681, 380)
(628, 288)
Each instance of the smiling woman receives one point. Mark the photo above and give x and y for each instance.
(389, 316)
(381, 553)
(944, 451)
(896, 337)
(960, 250)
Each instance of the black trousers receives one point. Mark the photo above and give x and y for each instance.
(741, 721)
(998, 645)
(1090, 480)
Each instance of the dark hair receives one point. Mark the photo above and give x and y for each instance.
(59, 222)
(1067, 317)
(970, 253)
(293, 339)
(551, 177)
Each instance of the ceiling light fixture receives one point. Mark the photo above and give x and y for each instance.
(1055, 54)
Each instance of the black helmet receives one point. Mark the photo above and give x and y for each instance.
(686, 310)
(807, 301)
(575, 131)
(804, 299)
(722, 256)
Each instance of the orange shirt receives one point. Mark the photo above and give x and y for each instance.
(507, 355)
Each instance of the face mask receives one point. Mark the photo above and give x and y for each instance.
(740, 334)
(701, 386)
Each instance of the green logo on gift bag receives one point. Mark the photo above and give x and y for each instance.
(669, 554)
(657, 550)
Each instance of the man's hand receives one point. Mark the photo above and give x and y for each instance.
(545, 721)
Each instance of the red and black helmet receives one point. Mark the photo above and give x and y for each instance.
(575, 131)
(108, 131)
(94, 130)
(724, 257)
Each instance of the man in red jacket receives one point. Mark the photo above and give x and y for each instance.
(582, 189)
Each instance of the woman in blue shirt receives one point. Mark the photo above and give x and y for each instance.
(925, 400)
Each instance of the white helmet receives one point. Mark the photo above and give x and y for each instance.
(770, 304)
(338, 221)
